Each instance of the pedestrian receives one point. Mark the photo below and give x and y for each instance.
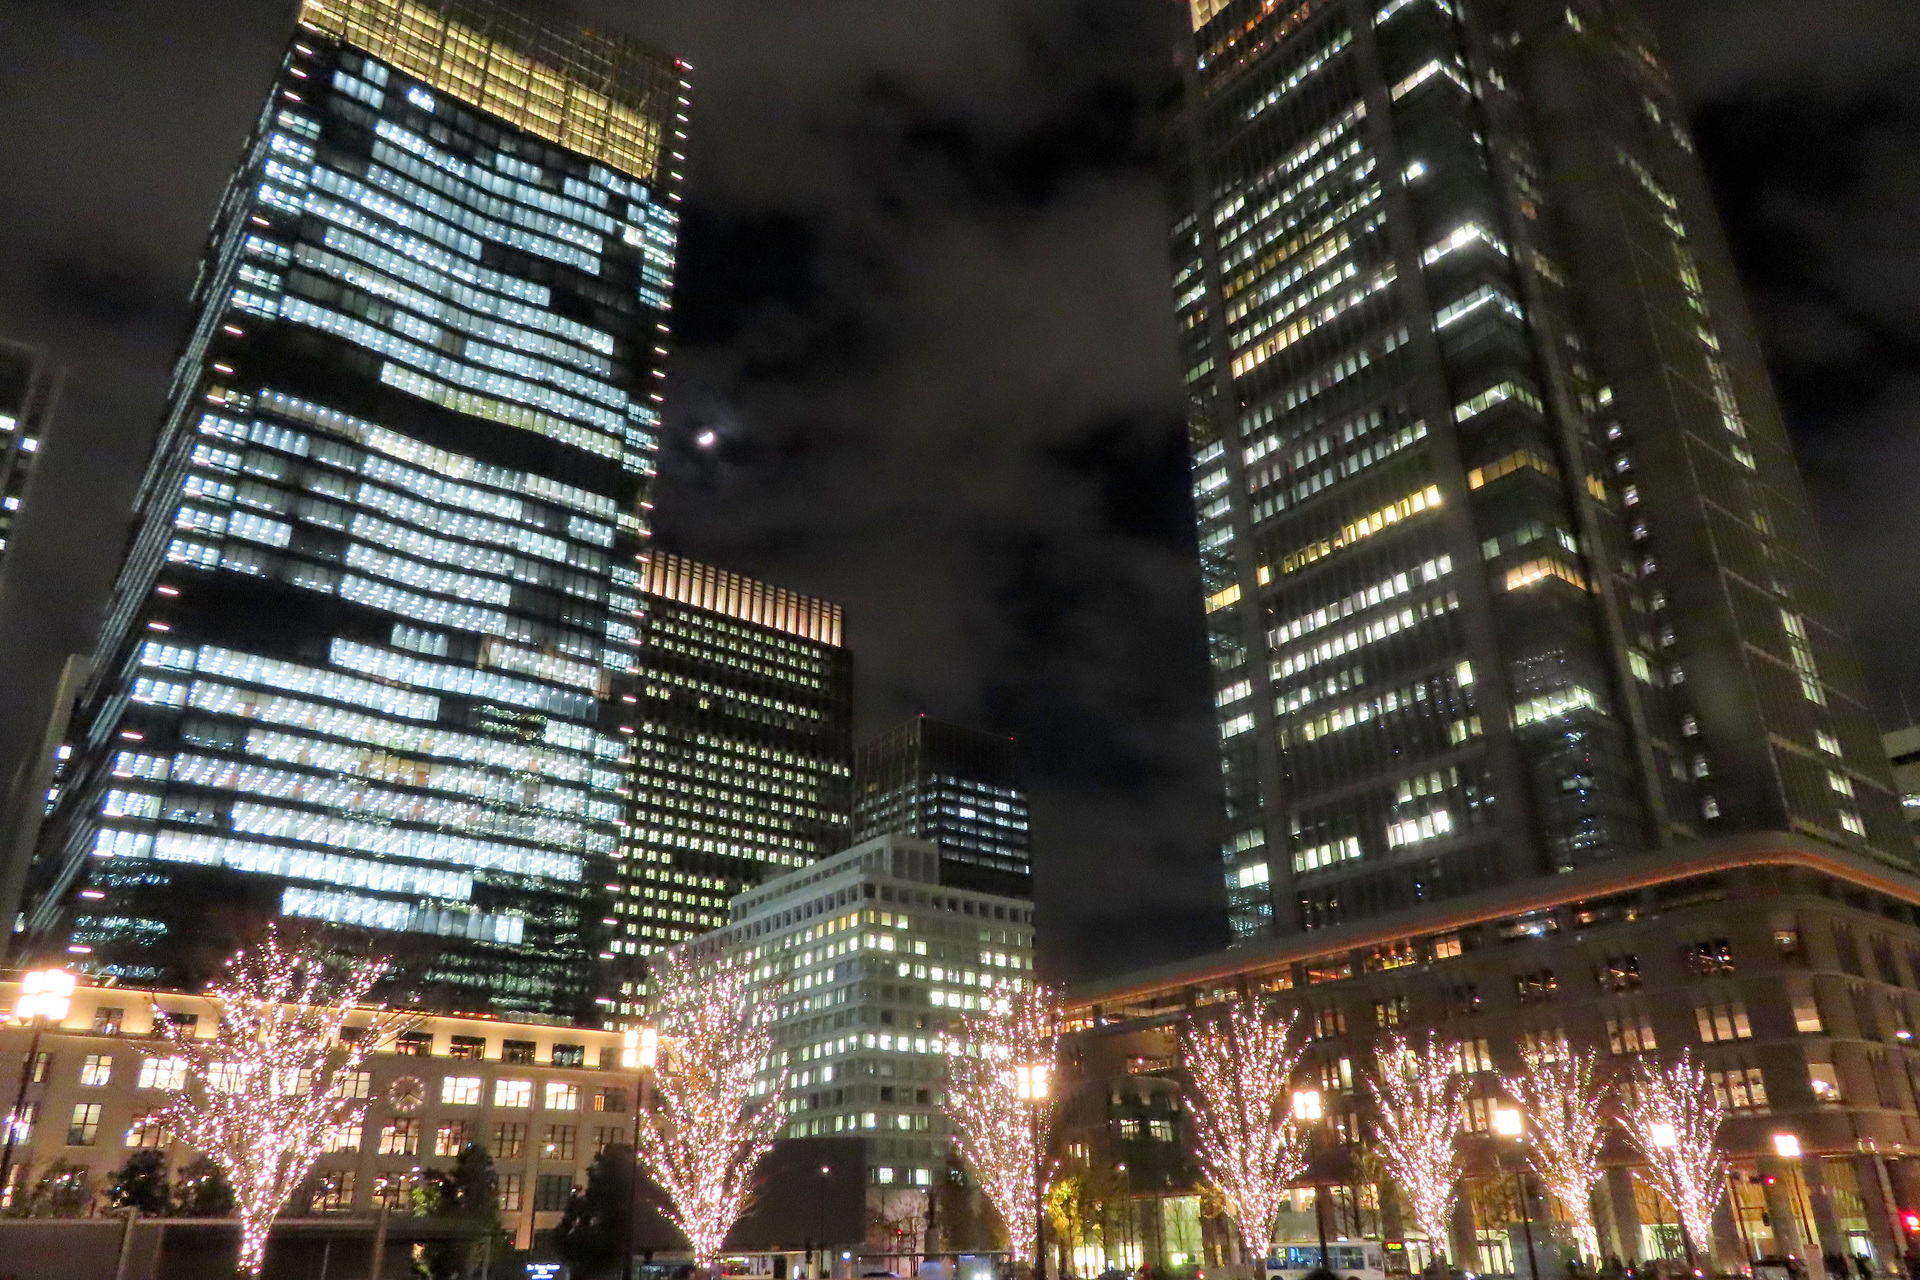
(1863, 1265)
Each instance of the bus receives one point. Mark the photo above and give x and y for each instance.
(1349, 1259)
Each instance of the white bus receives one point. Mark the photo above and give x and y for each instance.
(1348, 1259)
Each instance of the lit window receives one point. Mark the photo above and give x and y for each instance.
(83, 1127)
(163, 1073)
(460, 1091)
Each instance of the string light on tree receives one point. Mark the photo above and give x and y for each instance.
(264, 1090)
(1559, 1088)
(1240, 1067)
(1416, 1103)
(1673, 1118)
(1003, 1136)
(708, 1124)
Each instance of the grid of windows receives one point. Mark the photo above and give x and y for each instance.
(741, 758)
(871, 962)
(955, 786)
(1390, 362)
(414, 426)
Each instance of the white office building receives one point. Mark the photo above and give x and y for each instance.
(871, 962)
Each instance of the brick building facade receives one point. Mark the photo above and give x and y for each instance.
(1791, 969)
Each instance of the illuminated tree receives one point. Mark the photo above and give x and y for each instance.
(261, 1093)
(707, 1125)
(1672, 1116)
(1559, 1089)
(1416, 1101)
(999, 1127)
(1240, 1065)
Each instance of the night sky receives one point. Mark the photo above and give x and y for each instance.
(923, 306)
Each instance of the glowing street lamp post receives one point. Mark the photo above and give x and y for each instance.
(45, 997)
(1787, 1147)
(1030, 1086)
(639, 1050)
(1664, 1138)
(1309, 1109)
(1509, 1123)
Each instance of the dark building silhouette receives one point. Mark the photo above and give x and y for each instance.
(1508, 568)
(959, 788)
(29, 391)
(370, 653)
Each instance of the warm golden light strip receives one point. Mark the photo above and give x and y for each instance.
(547, 99)
(702, 586)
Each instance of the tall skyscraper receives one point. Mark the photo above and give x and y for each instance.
(1508, 567)
(959, 788)
(29, 388)
(365, 659)
(742, 756)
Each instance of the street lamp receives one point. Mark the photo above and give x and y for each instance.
(1664, 1137)
(1787, 1147)
(1509, 1123)
(639, 1053)
(1309, 1108)
(1030, 1086)
(45, 997)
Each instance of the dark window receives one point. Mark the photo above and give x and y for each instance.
(1863, 1013)
(1618, 973)
(609, 1099)
(518, 1052)
(1711, 958)
(569, 1055)
(181, 1022)
(1848, 949)
(550, 1192)
(1536, 986)
(1883, 962)
(106, 1021)
(509, 1140)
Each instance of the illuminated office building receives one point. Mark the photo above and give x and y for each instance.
(1508, 569)
(365, 657)
(872, 963)
(29, 386)
(741, 756)
(957, 787)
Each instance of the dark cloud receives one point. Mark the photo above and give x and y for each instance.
(923, 310)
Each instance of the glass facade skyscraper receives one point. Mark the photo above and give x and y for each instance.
(366, 656)
(957, 787)
(1508, 568)
(742, 754)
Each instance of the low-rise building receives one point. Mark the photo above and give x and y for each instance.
(543, 1100)
(1788, 968)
